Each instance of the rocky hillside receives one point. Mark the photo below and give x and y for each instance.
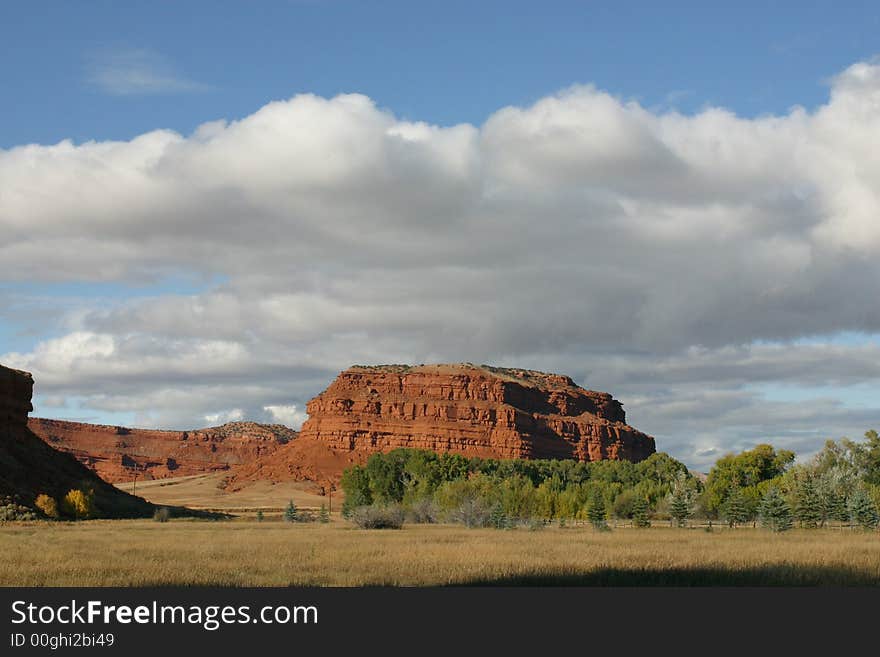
(116, 453)
(28, 466)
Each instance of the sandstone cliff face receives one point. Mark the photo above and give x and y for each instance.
(28, 466)
(118, 453)
(16, 388)
(481, 411)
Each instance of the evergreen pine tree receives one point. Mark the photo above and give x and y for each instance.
(260, 515)
(735, 509)
(774, 511)
(324, 515)
(498, 518)
(596, 512)
(808, 505)
(836, 507)
(290, 512)
(862, 509)
(681, 501)
(640, 512)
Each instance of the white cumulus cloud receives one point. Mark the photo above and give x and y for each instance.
(670, 258)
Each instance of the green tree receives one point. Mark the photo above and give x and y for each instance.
(386, 476)
(79, 504)
(735, 508)
(774, 511)
(290, 512)
(498, 518)
(681, 501)
(623, 506)
(807, 504)
(640, 512)
(746, 471)
(597, 514)
(871, 458)
(356, 484)
(862, 509)
(324, 515)
(259, 515)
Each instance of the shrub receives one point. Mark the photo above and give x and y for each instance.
(536, 524)
(78, 504)
(11, 510)
(324, 514)
(376, 516)
(472, 513)
(290, 512)
(305, 515)
(259, 515)
(47, 504)
(422, 511)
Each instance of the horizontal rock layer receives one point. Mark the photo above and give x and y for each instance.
(482, 411)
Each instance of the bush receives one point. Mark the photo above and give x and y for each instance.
(422, 511)
(377, 516)
(324, 514)
(260, 515)
(47, 505)
(305, 515)
(78, 504)
(536, 524)
(161, 514)
(11, 510)
(290, 512)
(473, 513)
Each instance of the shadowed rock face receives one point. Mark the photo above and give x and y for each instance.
(117, 453)
(16, 388)
(28, 466)
(475, 410)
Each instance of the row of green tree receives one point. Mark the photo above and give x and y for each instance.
(841, 484)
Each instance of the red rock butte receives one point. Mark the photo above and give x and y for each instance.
(474, 410)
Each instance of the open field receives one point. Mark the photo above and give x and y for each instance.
(244, 552)
(204, 492)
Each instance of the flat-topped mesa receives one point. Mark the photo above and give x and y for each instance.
(477, 410)
(120, 454)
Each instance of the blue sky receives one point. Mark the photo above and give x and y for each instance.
(443, 62)
(621, 191)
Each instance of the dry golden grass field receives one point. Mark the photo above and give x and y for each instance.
(274, 553)
(204, 492)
